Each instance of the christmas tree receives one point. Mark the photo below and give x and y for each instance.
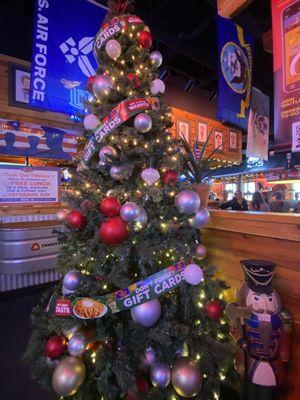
(138, 314)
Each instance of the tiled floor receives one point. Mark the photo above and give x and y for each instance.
(16, 383)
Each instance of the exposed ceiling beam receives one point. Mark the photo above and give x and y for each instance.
(181, 46)
(200, 28)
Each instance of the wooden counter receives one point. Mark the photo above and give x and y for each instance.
(234, 235)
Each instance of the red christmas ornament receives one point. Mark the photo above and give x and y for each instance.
(55, 346)
(76, 220)
(110, 206)
(171, 177)
(214, 309)
(135, 79)
(145, 39)
(113, 231)
(142, 385)
(90, 82)
(131, 395)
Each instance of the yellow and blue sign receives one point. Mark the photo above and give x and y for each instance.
(235, 49)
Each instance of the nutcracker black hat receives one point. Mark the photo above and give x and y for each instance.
(259, 275)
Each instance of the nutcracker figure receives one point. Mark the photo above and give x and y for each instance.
(262, 331)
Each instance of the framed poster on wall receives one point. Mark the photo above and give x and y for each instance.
(183, 129)
(232, 140)
(218, 139)
(19, 85)
(202, 128)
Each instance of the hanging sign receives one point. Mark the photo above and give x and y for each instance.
(286, 46)
(258, 126)
(29, 185)
(235, 49)
(138, 293)
(283, 175)
(120, 114)
(33, 140)
(62, 56)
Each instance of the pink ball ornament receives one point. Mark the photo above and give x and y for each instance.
(113, 49)
(91, 121)
(193, 274)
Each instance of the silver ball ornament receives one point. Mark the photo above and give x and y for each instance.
(129, 211)
(68, 376)
(77, 344)
(71, 280)
(193, 274)
(102, 85)
(187, 202)
(143, 122)
(160, 374)
(200, 252)
(106, 153)
(156, 58)
(113, 49)
(201, 218)
(120, 173)
(141, 221)
(146, 314)
(186, 377)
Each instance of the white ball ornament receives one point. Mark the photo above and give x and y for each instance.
(91, 121)
(157, 87)
(193, 274)
(113, 49)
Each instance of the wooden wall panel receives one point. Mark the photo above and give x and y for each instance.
(234, 236)
(226, 155)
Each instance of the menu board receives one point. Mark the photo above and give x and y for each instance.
(29, 185)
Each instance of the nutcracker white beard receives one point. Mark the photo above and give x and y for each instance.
(263, 305)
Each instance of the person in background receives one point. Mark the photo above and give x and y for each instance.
(224, 196)
(238, 203)
(258, 203)
(279, 204)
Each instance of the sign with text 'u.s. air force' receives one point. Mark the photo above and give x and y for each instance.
(62, 58)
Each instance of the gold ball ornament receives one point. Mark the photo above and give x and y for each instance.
(68, 376)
